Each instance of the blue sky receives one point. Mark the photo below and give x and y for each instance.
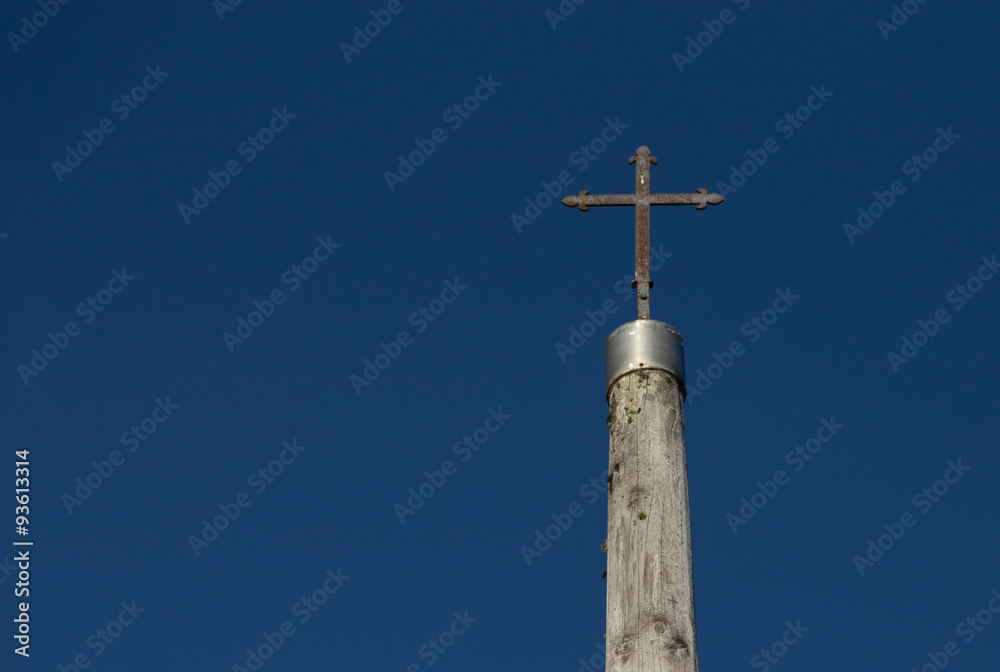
(282, 323)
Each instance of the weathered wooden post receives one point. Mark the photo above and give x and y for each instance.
(650, 612)
(651, 623)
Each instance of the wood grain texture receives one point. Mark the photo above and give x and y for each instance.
(651, 619)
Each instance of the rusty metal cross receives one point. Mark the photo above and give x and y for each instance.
(642, 199)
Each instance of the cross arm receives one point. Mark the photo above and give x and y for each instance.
(585, 199)
(702, 199)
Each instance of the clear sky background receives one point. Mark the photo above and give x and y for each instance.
(503, 282)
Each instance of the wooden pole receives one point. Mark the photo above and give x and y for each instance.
(650, 624)
(650, 619)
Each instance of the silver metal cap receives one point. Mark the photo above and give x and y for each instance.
(643, 344)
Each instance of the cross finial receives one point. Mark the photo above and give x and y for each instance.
(642, 199)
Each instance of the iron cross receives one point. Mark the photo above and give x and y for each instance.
(642, 199)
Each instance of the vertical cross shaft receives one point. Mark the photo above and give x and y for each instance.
(642, 199)
(642, 282)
